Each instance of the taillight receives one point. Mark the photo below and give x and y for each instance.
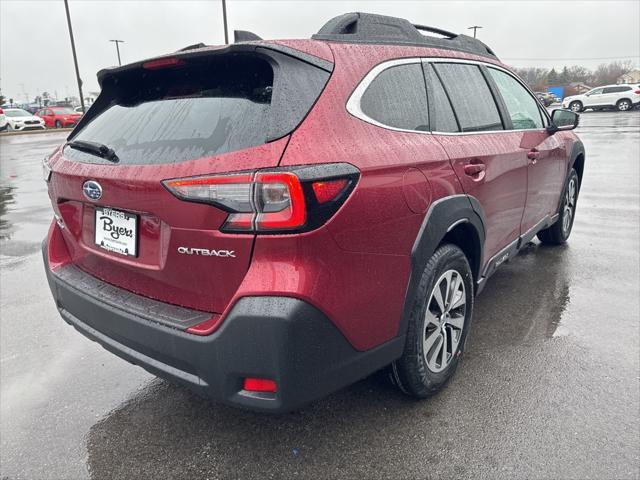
(637, 92)
(272, 201)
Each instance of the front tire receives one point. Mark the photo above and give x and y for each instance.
(559, 232)
(624, 105)
(438, 325)
(58, 124)
(576, 106)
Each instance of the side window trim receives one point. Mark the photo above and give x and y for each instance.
(353, 103)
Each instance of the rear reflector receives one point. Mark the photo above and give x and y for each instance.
(260, 385)
(162, 63)
(327, 191)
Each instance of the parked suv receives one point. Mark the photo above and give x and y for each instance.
(620, 97)
(269, 221)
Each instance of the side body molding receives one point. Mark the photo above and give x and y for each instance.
(442, 216)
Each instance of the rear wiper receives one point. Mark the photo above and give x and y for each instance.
(95, 148)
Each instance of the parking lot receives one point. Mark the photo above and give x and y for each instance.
(549, 386)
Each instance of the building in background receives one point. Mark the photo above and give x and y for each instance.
(632, 77)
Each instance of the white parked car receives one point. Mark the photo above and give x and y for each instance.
(3, 121)
(18, 119)
(621, 97)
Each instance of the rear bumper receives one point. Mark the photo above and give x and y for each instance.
(279, 338)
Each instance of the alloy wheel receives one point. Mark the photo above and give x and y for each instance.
(623, 106)
(444, 320)
(569, 206)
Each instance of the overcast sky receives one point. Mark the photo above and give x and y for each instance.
(35, 53)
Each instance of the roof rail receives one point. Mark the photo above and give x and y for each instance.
(360, 27)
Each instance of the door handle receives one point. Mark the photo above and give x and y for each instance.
(533, 155)
(474, 169)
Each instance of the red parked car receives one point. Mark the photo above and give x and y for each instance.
(270, 221)
(59, 117)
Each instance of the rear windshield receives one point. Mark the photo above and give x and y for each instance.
(186, 112)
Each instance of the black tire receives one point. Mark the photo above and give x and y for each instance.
(58, 124)
(624, 105)
(559, 232)
(412, 372)
(576, 106)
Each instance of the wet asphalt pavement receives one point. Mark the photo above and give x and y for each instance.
(549, 386)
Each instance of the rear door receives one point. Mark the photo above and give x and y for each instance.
(487, 159)
(172, 119)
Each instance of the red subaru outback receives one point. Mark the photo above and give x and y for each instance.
(269, 221)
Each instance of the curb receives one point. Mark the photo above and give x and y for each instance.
(37, 132)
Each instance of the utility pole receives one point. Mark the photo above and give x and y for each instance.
(224, 19)
(474, 28)
(73, 50)
(118, 49)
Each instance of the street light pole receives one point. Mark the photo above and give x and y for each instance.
(224, 19)
(474, 28)
(118, 49)
(75, 58)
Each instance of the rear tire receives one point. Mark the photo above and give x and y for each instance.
(576, 106)
(624, 105)
(559, 232)
(438, 325)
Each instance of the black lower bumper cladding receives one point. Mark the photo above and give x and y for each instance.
(278, 338)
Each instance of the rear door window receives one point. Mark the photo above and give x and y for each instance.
(443, 119)
(397, 98)
(522, 107)
(470, 96)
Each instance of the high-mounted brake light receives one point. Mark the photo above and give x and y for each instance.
(162, 63)
(272, 201)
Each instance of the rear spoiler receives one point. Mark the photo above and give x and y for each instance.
(191, 52)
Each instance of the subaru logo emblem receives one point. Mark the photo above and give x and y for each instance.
(92, 190)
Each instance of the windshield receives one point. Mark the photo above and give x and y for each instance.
(17, 113)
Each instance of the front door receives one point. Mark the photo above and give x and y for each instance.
(544, 153)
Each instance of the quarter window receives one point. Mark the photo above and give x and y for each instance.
(470, 96)
(522, 107)
(397, 98)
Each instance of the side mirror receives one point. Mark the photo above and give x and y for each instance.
(562, 120)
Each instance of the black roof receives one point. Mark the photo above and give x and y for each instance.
(370, 28)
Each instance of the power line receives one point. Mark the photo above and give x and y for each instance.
(572, 58)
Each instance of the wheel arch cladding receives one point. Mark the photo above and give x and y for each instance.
(457, 219)
(577, 159)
